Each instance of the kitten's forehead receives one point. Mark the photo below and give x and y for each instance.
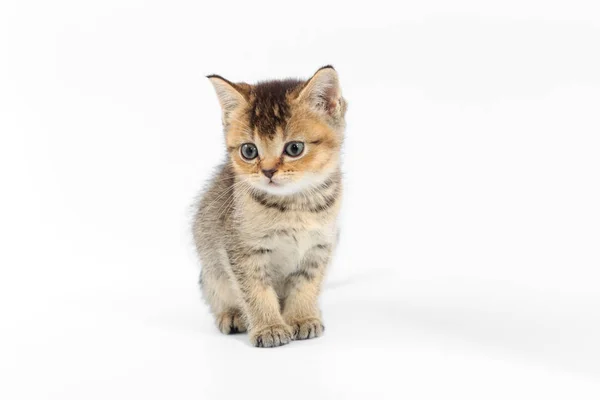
(269, 108)
(270, 146)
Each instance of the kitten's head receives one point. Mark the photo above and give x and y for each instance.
(283, 137)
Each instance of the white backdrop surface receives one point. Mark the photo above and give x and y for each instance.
(469, 263)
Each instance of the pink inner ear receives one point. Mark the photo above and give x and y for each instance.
(331, 106)
(330, 99)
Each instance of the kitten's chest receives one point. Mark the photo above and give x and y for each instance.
(288, 248)
(290, 239)
(287, 233)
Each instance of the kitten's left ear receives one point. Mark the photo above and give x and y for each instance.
(323, 92)
(231, 95)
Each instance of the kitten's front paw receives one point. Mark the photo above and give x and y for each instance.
(271, 336)
(307, 328)
(231, 321)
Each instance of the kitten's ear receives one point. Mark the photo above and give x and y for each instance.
(231, 95)
(323, 91)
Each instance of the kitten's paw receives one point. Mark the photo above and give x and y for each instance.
(231, 321)
(307, 328)
(271, 336)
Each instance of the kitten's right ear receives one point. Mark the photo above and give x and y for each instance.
(231, 95)
(323, 92)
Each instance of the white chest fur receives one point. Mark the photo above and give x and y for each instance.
(289, 249)
(290, 244)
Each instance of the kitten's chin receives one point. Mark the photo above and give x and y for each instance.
(287, 188)
(282, 189)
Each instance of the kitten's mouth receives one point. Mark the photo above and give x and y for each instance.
(272, 183)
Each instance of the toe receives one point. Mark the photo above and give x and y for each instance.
(224, 322)
(272, 336)
(230, 322)
(308, 329)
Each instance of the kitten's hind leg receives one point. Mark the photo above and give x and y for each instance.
(224, 303)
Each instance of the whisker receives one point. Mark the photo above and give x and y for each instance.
(225, 192)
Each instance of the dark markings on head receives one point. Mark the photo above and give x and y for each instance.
(269, 108)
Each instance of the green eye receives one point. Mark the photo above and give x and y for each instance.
(294, 149)
(249, 151)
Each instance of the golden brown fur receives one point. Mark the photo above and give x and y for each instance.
(266, 227)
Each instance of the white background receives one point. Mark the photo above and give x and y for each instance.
(469, 265)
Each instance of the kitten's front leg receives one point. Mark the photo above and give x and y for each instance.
(266, 326)
(301, 309)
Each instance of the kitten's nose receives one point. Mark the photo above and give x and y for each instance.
(269, 172)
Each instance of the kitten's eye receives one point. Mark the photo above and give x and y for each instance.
(294, 149)
(249, 151)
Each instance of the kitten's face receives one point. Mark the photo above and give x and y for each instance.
(291, 158)
(283, 137)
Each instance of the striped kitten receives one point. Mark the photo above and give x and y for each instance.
(266, 227)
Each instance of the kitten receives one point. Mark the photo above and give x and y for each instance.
(266, 227)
